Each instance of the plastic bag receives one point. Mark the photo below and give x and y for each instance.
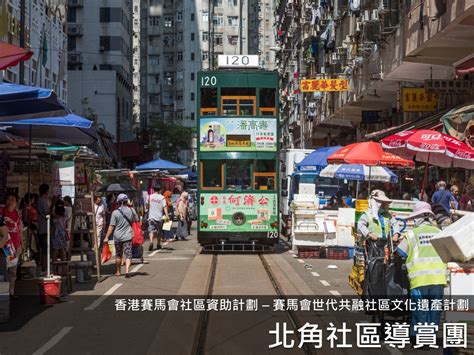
(137, 234)
(10, 253)
(167, 226)
(106, 253)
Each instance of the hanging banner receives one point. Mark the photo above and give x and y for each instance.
(312, 85)
(418, 100)
(238, 212)
(238, 134)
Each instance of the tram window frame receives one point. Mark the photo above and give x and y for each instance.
(208, 102)
(236, 111)
(219, 167)
(264, 172)
(243, 164)
(267, 102)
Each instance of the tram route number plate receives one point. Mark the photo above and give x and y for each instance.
(272, 234)
(237, 61)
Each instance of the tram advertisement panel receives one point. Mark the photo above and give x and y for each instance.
(238, 134)
(238, 212)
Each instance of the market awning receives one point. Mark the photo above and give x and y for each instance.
(466, 67)
(11, 55)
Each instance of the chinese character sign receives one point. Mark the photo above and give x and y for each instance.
(418, 100)
(312, 85)
(238, 134)
(217, 210)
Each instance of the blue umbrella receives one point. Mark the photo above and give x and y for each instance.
(68, 129)
(359, 172)
(27, 102)
(160, 164)
(317, 159)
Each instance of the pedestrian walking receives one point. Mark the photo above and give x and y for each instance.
(12, 220)
(121, 228)
(169, 234)
(426, 270)
(157, 209)
(99, 211)
(443, 197)
(182, 212)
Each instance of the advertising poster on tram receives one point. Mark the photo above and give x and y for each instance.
(238, 212)
(238, 134)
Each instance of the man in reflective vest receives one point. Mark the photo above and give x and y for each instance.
(426, 270)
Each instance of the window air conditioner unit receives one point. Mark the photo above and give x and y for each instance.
(358, 26)
(366, 16)
(334, 57)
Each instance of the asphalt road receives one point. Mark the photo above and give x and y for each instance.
(88, 322)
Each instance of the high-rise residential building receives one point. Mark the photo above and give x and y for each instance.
(100, 64)
(180, 38)
(45, 35)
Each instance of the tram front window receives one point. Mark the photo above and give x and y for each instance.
(238, 175)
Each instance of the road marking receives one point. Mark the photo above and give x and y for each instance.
(334, 293)
(170, 258)
(136, 268)
(153, 253)
(300, 261)
(315, 274)
(102, 298)
(324, 282)
(53, 341)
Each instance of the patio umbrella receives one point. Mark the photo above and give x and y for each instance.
(160, 164)
(367, 153)
(317, 159)
(431, 147)
(118, 188)
(359, 172)
(11, 55)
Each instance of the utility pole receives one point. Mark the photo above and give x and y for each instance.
(22, 38)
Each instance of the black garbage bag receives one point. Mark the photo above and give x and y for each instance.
(396, 278)
(374, 285)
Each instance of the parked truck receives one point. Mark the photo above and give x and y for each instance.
(292, 179)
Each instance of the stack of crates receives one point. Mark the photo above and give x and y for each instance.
(311, 252)
(338, 253)
(357, 275)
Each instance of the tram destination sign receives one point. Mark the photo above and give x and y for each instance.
(237, 61)
(238, 212)
(238, 134)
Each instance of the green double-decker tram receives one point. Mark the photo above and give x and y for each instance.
(238, 144)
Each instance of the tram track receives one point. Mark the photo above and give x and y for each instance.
(200, 341)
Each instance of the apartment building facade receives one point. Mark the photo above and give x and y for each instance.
(180, 38)
(379, 47)
(100, 64)
(45, 35)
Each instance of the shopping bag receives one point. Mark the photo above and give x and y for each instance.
(106, 253)
(167, 226)
(137, 234)
(10, 253)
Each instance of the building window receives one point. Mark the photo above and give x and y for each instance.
(179, 16)
(154, 60)
(192, 36)
(192, 56)
(179, 75)
(192, 96)
(192, 76)
(205, 36)
(169, 21)
(205, 56)
(179, 96)
(192, 16)
(233, 21)
(111, 14)
(179, 37)
(217, 2)
(218, 39)
(205, 16)
(192, 116)
(104, 43)
(233, 40)
(169, 58)
(71, 15)
(218, 20)
(168, 41)
(154, 21)
(169, 77)
(71, 44)
(180, 56)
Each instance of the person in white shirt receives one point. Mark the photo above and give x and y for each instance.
(99, 218)
(157, 208)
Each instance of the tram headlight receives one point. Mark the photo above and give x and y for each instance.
(238, 218)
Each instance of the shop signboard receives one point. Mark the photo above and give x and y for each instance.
(449, 86)
(238, 212)
(238, 134)
(313, 85)
(418, 100)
